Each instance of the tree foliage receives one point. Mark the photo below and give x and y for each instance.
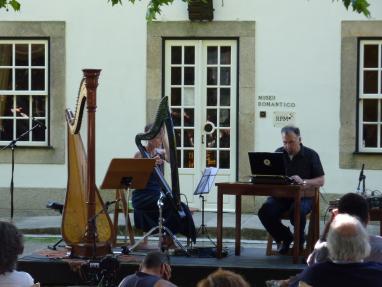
(154, 6)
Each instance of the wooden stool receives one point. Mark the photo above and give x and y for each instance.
(123, 200)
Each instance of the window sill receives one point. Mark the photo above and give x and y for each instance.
(367, 153)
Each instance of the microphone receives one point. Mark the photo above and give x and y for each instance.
(361, 175)
(108, 203)
(40, 124)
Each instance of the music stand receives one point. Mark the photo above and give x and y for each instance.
(126, 173)
(203, 188)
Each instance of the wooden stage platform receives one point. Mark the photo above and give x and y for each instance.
(50, 268)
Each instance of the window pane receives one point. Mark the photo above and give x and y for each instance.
(211, 140)
(212, 97)
(188, 158)
(6, 79)
(38, 79)
(22, 55)
(188, 138)
(224, 118)
(176, 76)
(225, 55)
(175, 114)
(22, 125)
(22, 106)
(189, 96)
(370, 84)
(212, 55)
(178, 137)
(6, 106)
(189, 55)
(5, 55)
(211, 116)
(38, 134)
(176, 55)
(225, 76)
(38, 55)
(370, 110)
(225, 96)
(224, 139)
(224, 159)
(176, 97)
(6, 129)
(188, 117)
(370, 135)
(370, 56)
(212, 76)
(189, 75)
(211, 158)
(22, 79)
(38, 106)
(178, 158)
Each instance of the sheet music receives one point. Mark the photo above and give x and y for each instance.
(206, 181)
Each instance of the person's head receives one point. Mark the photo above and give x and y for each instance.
(355, 205)
(11, 245)
(223, 278)
(347, 239)
(291, 139)
(154, 263)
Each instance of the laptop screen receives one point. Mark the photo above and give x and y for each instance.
(267, 163)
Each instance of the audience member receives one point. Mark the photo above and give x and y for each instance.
(348, 245)
(223, 278)
(155, 271)
(11, 245)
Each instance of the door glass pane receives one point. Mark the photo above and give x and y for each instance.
(6, 129)
(370, 56)
(370, 135)
(176, 75)
(224, 119)
(225, 76)
(176, 55)
(22, 80)
(38, 79)
(189, 55)
(38, 134)
(211, 116)
(212, 76)
(176, 114)
(188, 158)
(188, 138)
(370, 82)
(370, 110)
(212, 55)
(224, 138)
(6, 79)
(188, 117)
(178, 139)
(211, 139)
(6, 55)
(211, 158)
(225, 97)
(38, 55)
(225, 55)
(189, 76)
(38, 106)
(212, 97)
(21, 55)
(189, 96)
(6, 106)
(22, 106)
(176, 96)
(224, 159)
(178, 158)
(22, 125)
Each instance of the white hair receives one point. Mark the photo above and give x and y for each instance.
(348, 240)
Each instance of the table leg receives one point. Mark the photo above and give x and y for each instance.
(219, 225)
(296, 245)
(238, 225)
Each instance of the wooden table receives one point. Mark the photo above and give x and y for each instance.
(284, 191)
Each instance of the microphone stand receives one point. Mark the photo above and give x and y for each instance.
(362, 178)
(12, 146)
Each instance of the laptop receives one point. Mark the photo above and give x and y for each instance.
(268, 168)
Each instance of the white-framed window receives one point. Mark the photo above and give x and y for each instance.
(370, 96)
(24, 71)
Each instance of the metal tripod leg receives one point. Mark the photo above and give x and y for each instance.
(54, 247)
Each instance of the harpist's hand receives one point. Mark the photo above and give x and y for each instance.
(158, 160)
